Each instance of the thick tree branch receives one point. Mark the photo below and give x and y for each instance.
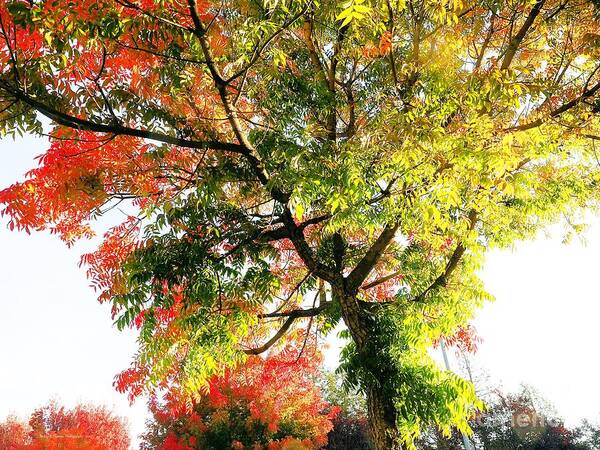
(368, 261)
(451, 265)
(484, 46)
(280, 333)
(442, 279)
(313, 53)
(70, 121)
(515, 42)
(283, 232)
(381, 280)
(298, 313)
(587, 93)
(249, 151)
(296, 234)
(304, 250)
(292, 316)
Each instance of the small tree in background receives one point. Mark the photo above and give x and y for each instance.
(350, 427)
(523, 420)
(271, 403)
(13, 433)
(55, 427)
(517, 421)
(589, 434)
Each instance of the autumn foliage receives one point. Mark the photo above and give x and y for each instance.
(465, 339)
(288, 166)
(268, 403)
(54, 427)
(13, 433)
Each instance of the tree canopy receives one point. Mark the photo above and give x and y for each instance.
(292, 164)
(54, 427)
(272, 403)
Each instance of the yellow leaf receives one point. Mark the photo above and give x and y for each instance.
(299, 211)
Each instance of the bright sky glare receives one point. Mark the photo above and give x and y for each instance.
(56, 341)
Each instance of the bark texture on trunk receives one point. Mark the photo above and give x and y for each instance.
(382, 420)
(380, 407)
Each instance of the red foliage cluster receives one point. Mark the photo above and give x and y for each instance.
(104, 264)
(268, 403)
(465, 339)
(55, 428)
(13, 433)
(83, 174)
(75, 178)
(83, 171)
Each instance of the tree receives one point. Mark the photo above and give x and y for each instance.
(291, 164)
(588, 434)
(520, 421)
(13, 433)
(523, 421)
(55, 427)
(270, 403)
(350, 430)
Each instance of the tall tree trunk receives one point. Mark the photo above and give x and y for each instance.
(382, 420)
(380, 407)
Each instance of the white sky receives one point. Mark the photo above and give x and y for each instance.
(56, 341)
